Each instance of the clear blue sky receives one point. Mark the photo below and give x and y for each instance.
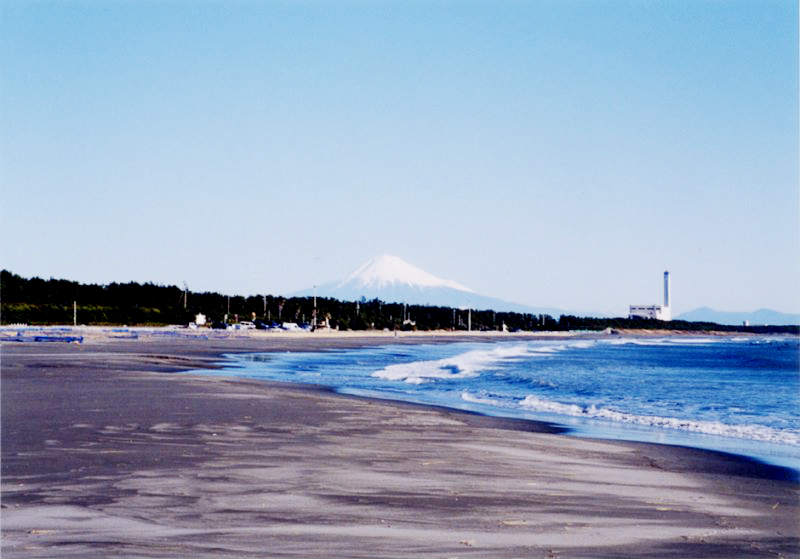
(555, 153)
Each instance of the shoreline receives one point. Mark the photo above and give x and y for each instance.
(89, 432)
(114, 332)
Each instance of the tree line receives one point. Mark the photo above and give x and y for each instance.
(55, 301)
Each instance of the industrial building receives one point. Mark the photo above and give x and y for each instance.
(658, 312)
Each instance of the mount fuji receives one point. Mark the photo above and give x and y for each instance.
(393, 280)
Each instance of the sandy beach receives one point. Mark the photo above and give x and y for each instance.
(108, 450)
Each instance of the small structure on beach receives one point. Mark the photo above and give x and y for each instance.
(657, 312)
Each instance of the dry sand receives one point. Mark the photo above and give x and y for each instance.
(106, 455)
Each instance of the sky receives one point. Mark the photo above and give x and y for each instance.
(552, 153)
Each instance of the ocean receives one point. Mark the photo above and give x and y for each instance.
(733, 394)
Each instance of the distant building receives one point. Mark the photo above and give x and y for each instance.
(657, 312)
(649, 311)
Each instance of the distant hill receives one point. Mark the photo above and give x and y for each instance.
(393, 280)
(755, 318)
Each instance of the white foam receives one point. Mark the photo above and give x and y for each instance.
(467, 397)
(751, 432)
(671, 340)
(472, 363)
(465, 365)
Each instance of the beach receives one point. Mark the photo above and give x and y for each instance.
(108, 450)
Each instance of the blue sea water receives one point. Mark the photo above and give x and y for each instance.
(738, 395)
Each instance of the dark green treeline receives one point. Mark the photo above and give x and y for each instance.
(38, 301)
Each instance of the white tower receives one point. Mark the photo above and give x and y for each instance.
(666, 312)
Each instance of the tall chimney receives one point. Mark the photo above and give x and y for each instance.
(666, 289)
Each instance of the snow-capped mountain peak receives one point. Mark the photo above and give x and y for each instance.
(393, 280)
(387, 271)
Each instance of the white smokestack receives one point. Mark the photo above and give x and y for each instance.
(666, 289)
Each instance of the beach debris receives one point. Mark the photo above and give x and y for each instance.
(63, 339)
(514, 522)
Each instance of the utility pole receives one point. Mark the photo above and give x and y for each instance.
(74, 313)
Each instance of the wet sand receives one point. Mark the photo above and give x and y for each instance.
(108, 451)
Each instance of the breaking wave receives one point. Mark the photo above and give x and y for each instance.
(465, 365)
(752, 432)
